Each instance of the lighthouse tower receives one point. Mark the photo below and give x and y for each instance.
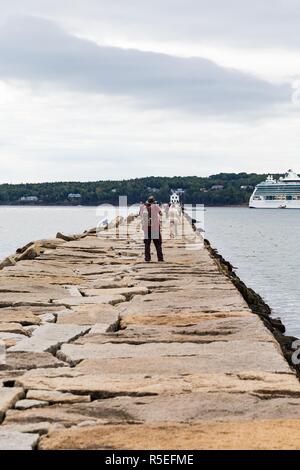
(174, 199)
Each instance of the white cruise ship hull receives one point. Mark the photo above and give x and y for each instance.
(265, 204)
(283, 193)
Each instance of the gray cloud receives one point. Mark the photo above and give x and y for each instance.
(255, 23)
(268, 23)
(38, 50)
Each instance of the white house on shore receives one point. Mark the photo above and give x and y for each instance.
(29, 199)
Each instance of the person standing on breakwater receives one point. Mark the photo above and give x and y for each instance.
(151, 219)
(142, 205)
(174, 219)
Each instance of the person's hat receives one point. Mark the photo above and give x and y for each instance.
(151, 200)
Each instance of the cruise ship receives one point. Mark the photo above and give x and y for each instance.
(277, 194)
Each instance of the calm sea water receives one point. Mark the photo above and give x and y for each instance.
(22, 224)
(263, 245)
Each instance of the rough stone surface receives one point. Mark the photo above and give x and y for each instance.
(9, 377)
(30, 253)
(196, 407)
(57, 397)
(139, 355)
(35, 428)
(257, 435)
(65, 415)
(13, 328)
(92, 381)
(178, 318)
(48, 318)
(31, 360)
(204, 332)
(8, 397)
(101, 299)
(27, 404)
(9, 261)
(89, 315)
(14, 440)
(49, 337)
(127, 292)
(230, 350)
(22, 317)
(11, 337)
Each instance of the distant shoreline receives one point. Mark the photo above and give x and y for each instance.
(114, 205)
(223, 189)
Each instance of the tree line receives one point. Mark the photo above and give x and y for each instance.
(220, 189)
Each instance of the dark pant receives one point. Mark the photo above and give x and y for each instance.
(157, 243)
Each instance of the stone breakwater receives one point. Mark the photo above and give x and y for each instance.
(104, 351)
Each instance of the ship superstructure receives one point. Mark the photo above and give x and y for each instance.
(283, 193)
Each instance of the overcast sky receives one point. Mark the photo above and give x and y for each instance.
(113, 89)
